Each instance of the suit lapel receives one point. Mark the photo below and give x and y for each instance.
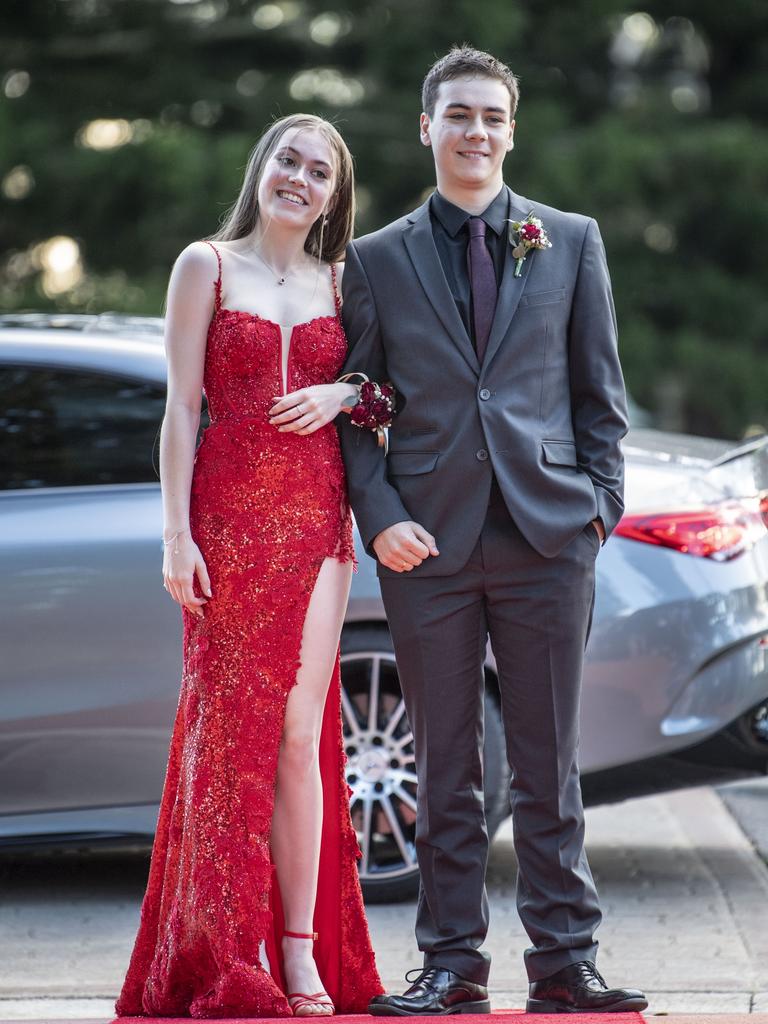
(512, 287)
(421, 248)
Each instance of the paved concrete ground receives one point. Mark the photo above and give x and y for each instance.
(684, 893)
(748, 803)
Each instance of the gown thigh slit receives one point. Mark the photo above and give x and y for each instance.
(266, 510)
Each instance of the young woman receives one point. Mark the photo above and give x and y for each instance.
(253, 906)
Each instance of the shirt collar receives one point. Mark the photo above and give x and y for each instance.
(453, 218)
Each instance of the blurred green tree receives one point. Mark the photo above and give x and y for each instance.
(126, 124)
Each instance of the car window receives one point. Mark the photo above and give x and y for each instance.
(63, 428)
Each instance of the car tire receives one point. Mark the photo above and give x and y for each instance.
(749, 733)
(740, 746)
(380, 765)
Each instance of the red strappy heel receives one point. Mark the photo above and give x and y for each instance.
(297, 1000)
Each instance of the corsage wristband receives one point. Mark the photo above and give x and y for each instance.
(375, 407)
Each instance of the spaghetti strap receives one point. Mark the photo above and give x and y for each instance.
(336, 296)
(217, 282)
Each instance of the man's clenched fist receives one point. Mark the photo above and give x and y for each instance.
(403, 545)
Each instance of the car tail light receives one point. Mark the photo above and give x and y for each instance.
(720, 532)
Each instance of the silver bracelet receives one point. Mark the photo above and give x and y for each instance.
(170, 540)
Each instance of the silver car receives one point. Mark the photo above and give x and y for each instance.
(676, 683)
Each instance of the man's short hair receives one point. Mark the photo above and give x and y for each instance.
(465, 61)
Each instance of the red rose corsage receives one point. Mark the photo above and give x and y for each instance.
(374, 408)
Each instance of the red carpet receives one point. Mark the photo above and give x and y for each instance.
(465, 1018)
(516, 1017)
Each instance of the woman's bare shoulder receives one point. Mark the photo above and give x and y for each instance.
(197, 261)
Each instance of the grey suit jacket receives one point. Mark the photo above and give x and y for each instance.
(545, 412)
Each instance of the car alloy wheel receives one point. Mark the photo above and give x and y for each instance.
(380, 769)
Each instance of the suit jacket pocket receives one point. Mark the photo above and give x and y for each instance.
(411, 463)
(559, 453)
(541, 298)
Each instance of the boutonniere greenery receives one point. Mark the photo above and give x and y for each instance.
(525, 235)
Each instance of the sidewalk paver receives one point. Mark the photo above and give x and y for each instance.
(74, 1011)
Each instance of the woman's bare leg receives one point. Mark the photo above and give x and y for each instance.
(298, 811)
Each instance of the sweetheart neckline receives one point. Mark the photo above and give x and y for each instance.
(274, 323)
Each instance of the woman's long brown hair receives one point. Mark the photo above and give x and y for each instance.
(328, 237)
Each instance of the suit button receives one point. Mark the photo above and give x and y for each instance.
(485, 394)
(482, 455)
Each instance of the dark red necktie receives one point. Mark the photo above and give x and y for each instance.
(482, 279)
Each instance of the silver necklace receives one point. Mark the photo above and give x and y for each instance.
(279, 278)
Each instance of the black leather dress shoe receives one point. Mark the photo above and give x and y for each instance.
(579, 987)
(435, 992)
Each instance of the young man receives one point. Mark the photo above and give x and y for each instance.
(504, 475)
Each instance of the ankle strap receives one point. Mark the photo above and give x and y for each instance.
(302, 935)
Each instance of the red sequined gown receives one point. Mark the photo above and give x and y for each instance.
(266, 509)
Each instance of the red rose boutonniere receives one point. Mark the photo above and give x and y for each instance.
(525, 235)
(374, 408)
